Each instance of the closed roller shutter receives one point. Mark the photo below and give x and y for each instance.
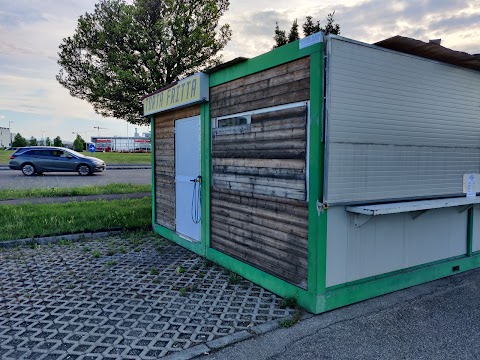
(398, 127)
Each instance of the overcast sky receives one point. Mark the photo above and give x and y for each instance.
(31, 30)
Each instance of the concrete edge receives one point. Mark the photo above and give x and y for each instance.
(213, 345)
(53, 239)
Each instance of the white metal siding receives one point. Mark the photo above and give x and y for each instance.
(398, 126)
(388, 243)
(476, 229)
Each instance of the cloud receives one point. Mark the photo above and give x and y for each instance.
(455, 21)
(31, 31)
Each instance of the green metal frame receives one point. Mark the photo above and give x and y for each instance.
(206, 165)
(363, 289)
(152, 151)
(317, 224)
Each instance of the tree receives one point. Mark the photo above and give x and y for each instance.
(331, 28)
(57, 142)
(33, 141)
(280, 37)
(48, 142)
(293, 34)
(19, 141)
(122, 51)
(309, 28)
(78, 143)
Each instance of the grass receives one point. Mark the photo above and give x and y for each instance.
(290, 302)
(295, 318)
(5, 156)
(31, 220)
(6, 194)
(180, 270)
(122, 158)
(109, 158)
(234, 278)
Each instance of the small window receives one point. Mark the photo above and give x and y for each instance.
(234, 121)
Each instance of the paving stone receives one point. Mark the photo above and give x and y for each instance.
(60, 302)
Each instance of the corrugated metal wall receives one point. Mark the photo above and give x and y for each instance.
(398, 127)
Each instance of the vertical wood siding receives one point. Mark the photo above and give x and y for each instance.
(165, 164)
(259, 211)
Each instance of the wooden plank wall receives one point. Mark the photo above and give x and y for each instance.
(282, 84)
(259, 210)
(165, 163)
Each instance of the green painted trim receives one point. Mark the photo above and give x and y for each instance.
(152, 152)
(368, 288)
(280, 287)
(262, 62)
(470, 232)
(206, 168)
(196, 247)
(316, 222)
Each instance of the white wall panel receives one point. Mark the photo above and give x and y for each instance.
(398, 126)
(388, 243)
(476, 229)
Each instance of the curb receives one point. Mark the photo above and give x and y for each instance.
(52, 239)
(217, 344)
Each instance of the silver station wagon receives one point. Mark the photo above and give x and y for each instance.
(39, 159)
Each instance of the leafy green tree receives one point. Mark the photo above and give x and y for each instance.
(122, 51)
(48, 142)
(331, 27)
(309, 27)
(78, 143)
(33, 141)
(19, 141)
(293, 34)
(280, 37)
(57, 142)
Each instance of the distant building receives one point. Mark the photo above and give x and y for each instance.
(5, 137)
(122, 143)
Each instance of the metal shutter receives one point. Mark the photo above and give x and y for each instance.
(397, 126)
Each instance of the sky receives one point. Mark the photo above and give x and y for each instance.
(33, 103)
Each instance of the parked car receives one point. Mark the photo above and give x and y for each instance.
(39, 159)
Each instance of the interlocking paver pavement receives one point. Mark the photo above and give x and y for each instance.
(131, 296)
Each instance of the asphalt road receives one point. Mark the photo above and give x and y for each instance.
(14, 179)
(436, 320)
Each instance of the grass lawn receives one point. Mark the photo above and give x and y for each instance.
(122, 158)
(6, 194)
(109, 158)
(28, 220)
(5, 156)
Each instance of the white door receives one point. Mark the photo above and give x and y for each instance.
(187, 169)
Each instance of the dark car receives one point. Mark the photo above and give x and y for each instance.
(39, 159)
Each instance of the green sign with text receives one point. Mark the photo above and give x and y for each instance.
(191, 90)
